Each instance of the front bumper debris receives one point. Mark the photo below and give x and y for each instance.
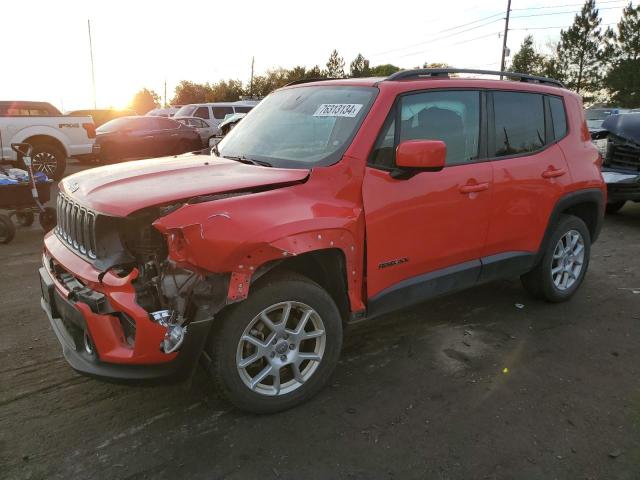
(92, 336)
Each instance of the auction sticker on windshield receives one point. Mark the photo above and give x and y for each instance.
(338, 110)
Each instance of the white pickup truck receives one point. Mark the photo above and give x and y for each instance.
(53, 136)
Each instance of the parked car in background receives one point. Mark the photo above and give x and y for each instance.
(27, 109)
(334, 202)
(595, 117)
(215, 113)
(229, 123)
(135, 137)
(164, 112)
(205, 130)
(102, 116)
(621, 164)
(53, 136)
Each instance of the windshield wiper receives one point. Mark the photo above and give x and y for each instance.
(249, 161)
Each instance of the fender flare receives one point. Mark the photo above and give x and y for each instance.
(591, 195)
(255, 261)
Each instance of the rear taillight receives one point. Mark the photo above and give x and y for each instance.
(90, 128)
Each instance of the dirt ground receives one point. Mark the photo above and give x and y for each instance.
(486, 384)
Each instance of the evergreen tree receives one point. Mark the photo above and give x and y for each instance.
(623, 80)
(335, 65)
(581, 51)
(360, 67)
(527, 60)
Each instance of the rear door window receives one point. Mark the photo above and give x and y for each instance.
(242, 109)
(220, 112)
(519, 123)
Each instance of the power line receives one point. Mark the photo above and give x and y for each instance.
(567, 5)
(559, 26)
(436, 38)
(560, 13)
(448, 45)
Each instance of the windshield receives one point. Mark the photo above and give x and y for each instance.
(114, 125)
(186, 111)
(300, 127)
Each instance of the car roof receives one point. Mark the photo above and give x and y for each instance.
(239, 103)
(418, 82)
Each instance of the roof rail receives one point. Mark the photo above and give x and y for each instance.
(444, 72)
(308, 80)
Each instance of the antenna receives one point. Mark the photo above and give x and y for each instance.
(93, 73)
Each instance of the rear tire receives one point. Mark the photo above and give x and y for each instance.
(285, 350)
(614, 207)
(7, 229)
(47, 158)
(562, 269)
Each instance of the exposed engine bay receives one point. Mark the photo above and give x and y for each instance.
(173, 295)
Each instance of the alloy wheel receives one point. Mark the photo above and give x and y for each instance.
(281, 348)
(45, 162)
(568, 259)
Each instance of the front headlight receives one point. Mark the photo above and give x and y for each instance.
(601, 145)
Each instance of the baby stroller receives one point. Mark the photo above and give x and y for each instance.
(24, 199)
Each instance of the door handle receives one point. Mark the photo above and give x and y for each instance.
(553, 172)
(473, 187)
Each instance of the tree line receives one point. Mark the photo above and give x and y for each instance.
(600, 64)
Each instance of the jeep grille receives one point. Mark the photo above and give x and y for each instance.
(76, 226)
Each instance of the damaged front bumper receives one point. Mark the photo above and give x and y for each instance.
(103, 331)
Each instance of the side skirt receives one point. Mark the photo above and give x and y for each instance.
(449, 280)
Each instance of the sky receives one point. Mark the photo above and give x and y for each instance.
(140, 43)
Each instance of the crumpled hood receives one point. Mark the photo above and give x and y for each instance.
(127, 187)
(625, 126)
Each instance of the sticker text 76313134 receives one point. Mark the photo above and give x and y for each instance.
(338, 110)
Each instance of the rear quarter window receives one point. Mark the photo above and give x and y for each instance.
(558, 117)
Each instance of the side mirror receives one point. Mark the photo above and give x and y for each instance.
(428, 155)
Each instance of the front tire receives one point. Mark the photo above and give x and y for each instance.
(564, 264)
(277, 348)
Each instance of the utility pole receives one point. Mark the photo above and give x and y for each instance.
(93, 73)
(251, 83)
(165, 93)
(504, 40)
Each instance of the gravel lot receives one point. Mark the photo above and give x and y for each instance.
(484, 384)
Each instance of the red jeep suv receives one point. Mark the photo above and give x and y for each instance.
(331, 202)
